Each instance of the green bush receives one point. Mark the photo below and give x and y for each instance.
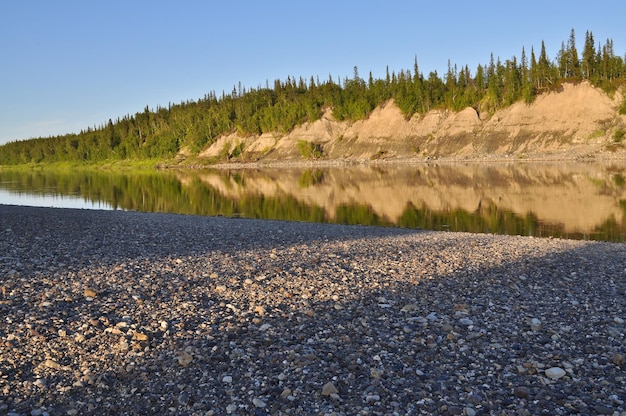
(309, 150)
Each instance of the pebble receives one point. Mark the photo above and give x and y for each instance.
(466, 321)
(603, 410)
(469, 411)
(555, 373)
(455, 410)
(183, 398)
(184, 358)
(522, 392)
(90, 293)
(535, 324)
(258, 403)
(183, 306)
(329, 389)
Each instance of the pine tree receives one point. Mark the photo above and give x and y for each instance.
(543, 69)
(572, 56)
(589, 57)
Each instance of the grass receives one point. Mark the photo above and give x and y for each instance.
(309, 150)
(110, 165)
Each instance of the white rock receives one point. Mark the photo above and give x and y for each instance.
(555, 373)
(258, 402)
(535, 324)
(227, 379)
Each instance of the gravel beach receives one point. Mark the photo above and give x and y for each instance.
(112, 312)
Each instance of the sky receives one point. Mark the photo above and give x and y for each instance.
(71, 64)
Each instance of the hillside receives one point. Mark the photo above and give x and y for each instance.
(576, 121)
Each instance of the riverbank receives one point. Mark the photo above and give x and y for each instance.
(112, 312)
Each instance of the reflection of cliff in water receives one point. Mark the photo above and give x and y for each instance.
(561, 200)
(523, 198)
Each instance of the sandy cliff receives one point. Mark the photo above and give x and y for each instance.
(577, 121)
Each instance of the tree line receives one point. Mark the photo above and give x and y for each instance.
(194, 125)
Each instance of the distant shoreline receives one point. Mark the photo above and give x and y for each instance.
(567, 157)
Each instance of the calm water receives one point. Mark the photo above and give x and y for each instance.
(581, 201)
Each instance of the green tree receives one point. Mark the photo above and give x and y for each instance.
(588, 67)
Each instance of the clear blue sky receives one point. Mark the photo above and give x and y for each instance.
(69, 64)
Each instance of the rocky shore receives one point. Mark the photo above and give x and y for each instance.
(111, 312)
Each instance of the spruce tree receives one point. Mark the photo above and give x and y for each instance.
(589, 57)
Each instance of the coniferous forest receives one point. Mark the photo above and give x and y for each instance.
(279, 107)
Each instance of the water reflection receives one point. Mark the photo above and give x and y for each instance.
(561, 200)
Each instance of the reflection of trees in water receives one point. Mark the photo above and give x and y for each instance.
(188, 194)
(488, 218)
(311, 177)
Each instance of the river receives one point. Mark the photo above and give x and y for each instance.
(566, 200)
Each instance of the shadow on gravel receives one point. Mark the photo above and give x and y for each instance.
(195, 314)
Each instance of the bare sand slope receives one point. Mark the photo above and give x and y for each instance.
(576, 121)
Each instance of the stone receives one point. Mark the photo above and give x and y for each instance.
(90, 292)
(455, 410)
(376, 373)
(258, 402)
(469, 411)
(372, 398)
(554, 373)
(184, 358)
(521, 392)
(52, 364)
(535, 324)
(140, 336)
(466, 321)
(603, 410)
(618, 359)
(410, 307)
(183, 398)
(329, 389)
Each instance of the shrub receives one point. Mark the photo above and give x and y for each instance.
(309, 150)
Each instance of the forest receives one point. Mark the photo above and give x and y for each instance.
(161, 133)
